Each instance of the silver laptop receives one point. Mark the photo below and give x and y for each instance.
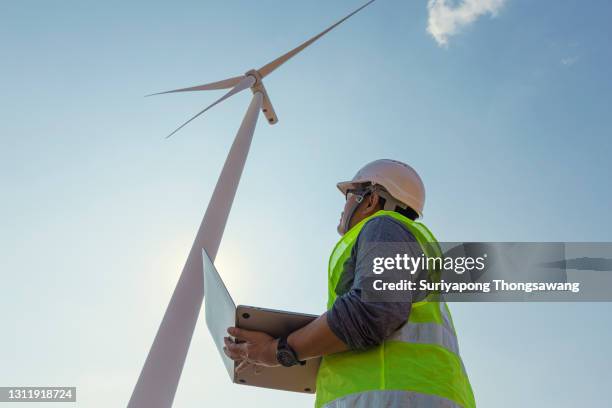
(222, 312)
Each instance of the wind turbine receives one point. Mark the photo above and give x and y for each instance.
(158, 380)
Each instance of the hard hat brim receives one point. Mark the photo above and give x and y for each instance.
(344, 186)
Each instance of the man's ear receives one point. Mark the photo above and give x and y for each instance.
(373, 201)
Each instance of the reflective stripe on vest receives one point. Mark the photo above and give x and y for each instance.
(404, 399)
(428, 333)
(419, 363)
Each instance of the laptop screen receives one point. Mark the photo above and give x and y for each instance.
(219, 308)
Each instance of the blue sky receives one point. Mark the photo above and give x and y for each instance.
(508, 123)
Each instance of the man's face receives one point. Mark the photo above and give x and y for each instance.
(361, 205)
(351, 201)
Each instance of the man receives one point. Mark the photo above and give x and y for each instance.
(375, 353)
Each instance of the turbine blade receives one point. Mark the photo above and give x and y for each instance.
(268, 68)
(246, 82)
(224, 84)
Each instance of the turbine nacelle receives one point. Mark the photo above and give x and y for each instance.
(258, 86)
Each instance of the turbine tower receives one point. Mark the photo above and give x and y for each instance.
(158, 380)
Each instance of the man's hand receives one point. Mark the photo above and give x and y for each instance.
(256, 348)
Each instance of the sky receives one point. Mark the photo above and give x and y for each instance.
(502, 107)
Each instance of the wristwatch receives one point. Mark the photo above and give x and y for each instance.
(285, 355)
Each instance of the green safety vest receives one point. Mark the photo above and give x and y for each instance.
(417, 366)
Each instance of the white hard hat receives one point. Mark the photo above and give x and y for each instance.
(401, 181)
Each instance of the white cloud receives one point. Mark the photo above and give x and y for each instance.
(447, 18)
(569, 60)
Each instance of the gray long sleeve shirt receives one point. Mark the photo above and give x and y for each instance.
(358, 323)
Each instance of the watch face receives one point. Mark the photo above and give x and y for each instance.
(285, 358)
